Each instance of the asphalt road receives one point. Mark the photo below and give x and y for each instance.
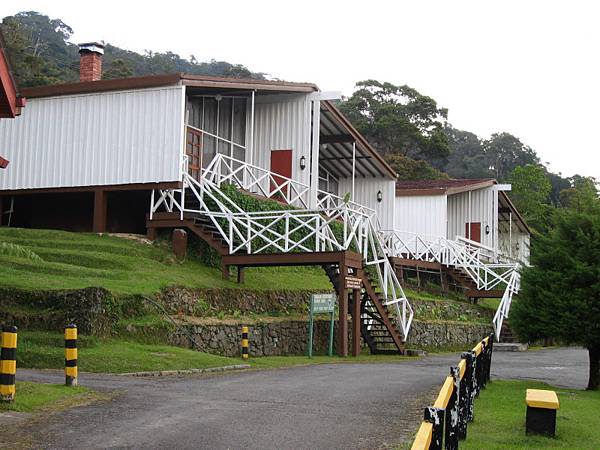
(336, 406)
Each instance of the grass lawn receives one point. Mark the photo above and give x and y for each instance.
(33, 396)
(48, 259)
(44, 350)
(500, 419)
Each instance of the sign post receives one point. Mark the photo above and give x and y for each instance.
(321, 304)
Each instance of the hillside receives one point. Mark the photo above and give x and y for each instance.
(46, 259)
(41, 53)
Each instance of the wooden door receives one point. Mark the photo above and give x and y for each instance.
(281, 164)
(193, 150)
(475, 231)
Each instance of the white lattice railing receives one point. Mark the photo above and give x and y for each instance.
(472, 259)
(512, 288)
(225, 169)
(342, 226)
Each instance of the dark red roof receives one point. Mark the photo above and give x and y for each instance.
(432, 187)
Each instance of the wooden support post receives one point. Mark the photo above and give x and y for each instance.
(418, 280)
(343, 312)
(100, 208)
(225, 271)
(355, 322)
(151, 233)
(1, 210)
(443, 282)
(241, 271)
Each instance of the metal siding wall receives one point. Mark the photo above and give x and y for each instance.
(282, 122)
(482, 210)
(365, 193)
(421, 214)
(95, 139)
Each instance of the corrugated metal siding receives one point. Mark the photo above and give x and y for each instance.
(365, 193)
(95, 139)
(424, 215)
(520, 242)
(481, 210)
(282, 122)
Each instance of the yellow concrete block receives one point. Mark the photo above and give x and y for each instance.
(540, 398)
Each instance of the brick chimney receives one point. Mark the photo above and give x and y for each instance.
(90, 61)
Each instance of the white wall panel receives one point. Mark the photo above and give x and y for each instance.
(365, 193)
(480, 209)
(421, 214)
(95, 139)
(282, 122)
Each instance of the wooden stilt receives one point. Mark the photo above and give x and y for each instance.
(100, 209)
(241, 271)
(355, 322)
(225, 271)
(343, 312)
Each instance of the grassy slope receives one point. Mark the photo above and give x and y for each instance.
(32, 396)
(500, 419)
(44, 350)
(77, 260)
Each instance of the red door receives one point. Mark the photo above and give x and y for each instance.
(281, 164)
(475, 231)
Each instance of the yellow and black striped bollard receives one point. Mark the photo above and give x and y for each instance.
(8, 363)
(245, 342)
(71, 355)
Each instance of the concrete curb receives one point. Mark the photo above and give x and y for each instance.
(166, 373)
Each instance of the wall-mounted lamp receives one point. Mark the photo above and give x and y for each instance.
(218, 97)
(302, 163)
(379, 196)
(487, 229)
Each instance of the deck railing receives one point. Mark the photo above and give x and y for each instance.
(346, 226)
(473, 260)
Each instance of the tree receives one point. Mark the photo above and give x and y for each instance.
(409, 169)
(117, 69)
(467, 158)
(531, 190)
(41, 54)
(398, 120)
(504, 152)
(560, 295)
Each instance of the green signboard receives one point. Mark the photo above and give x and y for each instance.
(321, 304)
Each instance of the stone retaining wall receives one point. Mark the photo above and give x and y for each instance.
(290, 337)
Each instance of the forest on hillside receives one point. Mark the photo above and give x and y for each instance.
(409, 129)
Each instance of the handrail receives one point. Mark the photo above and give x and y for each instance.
(445, 422)
(305, 230)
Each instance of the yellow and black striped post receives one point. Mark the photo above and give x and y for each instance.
(71, 355)
(245, 342)
(8, 364)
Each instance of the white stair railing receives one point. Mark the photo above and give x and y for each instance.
(472, 259)
(339, 227)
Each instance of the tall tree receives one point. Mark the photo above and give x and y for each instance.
(531, 190)
(467, 158)
(504, 152)
(560, 295)
(398, 120)
(409, 169)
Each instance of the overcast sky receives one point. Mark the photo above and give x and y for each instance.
(531, 68)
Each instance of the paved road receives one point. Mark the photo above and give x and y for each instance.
(343, 406)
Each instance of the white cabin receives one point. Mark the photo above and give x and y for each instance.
(477, 212)
(95, 150)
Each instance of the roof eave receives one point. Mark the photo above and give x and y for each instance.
(361, 139)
